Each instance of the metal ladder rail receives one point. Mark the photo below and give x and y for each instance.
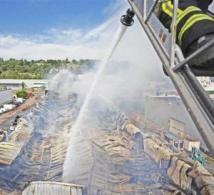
(198, 90)
(188, 93)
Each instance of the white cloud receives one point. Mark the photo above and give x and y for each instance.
(62, 43)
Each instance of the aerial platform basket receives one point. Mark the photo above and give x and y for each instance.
(196, 99)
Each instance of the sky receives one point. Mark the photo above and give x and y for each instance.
(35, 29)
(58, 29)
(34, 16)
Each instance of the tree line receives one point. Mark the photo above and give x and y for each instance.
(39, 69)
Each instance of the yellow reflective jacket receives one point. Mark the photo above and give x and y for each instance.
(192, 21)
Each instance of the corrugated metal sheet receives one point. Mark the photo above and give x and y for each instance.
(6, 96)
(52, 188)
(10, 149)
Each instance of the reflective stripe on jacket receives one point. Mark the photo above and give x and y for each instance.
(191, 21)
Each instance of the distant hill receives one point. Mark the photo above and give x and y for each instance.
(39, 69)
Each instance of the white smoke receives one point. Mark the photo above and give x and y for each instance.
(64, 81)
(121, 81)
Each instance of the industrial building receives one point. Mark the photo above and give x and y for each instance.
(16, 84)
(6, 96)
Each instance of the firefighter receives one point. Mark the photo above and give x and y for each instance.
(195, 27)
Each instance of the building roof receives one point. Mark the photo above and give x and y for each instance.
(28, 82)
(10, 81)
(53, 188)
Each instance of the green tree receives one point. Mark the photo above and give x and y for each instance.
(22, 94)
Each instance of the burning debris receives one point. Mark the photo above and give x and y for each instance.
(108, 154)
(14, 141)
(35, 152)
(109, 161)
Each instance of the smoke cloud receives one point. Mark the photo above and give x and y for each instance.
(121, 84)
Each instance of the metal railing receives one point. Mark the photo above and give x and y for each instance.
(196, 99)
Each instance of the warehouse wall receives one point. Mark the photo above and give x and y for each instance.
(161, 108)
(6, 96)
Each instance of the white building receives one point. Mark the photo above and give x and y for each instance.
(11, 84)
(6, 97)
(16, 84)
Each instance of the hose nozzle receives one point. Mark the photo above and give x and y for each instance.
(127, 19)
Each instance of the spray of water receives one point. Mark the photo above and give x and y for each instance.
(98, 75)
(76, 130)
